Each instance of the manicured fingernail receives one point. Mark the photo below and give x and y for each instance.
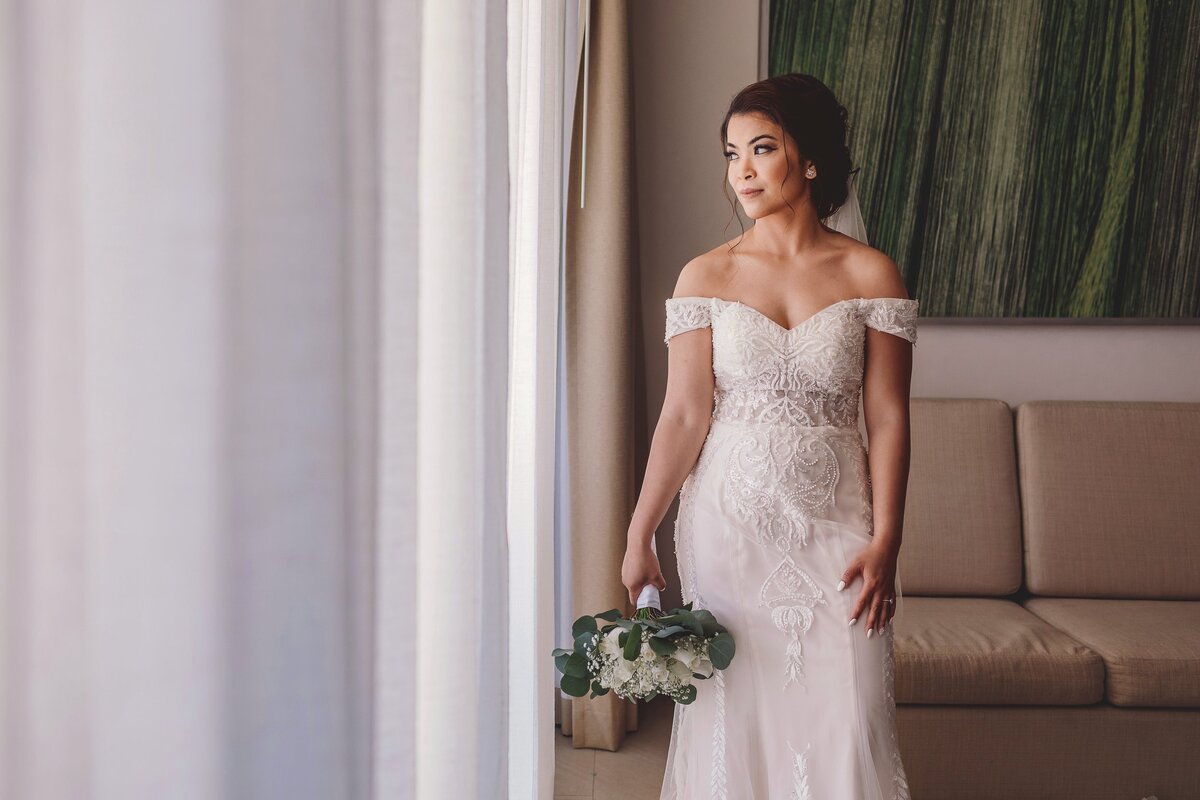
(841, 585)
(853, 621)
(869, 632)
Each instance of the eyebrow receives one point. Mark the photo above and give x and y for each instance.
(752, 141)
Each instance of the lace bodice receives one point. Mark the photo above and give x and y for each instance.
(809, 375)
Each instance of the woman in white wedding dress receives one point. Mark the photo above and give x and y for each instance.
(787, 531)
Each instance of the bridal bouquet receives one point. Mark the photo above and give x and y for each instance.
(640, 658)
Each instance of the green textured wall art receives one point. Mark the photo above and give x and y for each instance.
(1020, 158)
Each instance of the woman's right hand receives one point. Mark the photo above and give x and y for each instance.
(639, 569)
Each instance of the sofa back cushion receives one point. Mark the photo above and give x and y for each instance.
(1111, 498)
(962, 524)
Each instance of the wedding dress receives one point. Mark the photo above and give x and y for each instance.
(773, 511)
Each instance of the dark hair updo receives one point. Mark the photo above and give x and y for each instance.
(811, 114)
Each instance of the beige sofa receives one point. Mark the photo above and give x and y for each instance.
(1049, 641)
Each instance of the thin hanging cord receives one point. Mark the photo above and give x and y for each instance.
(587, 41)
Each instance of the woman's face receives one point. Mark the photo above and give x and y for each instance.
(756, 157)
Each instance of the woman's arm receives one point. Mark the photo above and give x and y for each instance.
(887, 376)
(886, 384)
(678, 438)
(680, 433)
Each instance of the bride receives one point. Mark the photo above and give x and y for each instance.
(788, 529)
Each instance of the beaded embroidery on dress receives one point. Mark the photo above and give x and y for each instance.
(777, 504)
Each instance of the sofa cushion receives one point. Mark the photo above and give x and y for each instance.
(962, 517)
(989, 651)
(1097, 752)
(1109, 498)
(1151, 648)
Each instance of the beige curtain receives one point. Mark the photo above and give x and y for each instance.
(601, 316)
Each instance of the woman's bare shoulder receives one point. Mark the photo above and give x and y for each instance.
(874, 272)
(706, 274)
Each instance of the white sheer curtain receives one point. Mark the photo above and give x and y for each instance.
(443, 606)
(263, 480)
(540, 69)
(187, 510)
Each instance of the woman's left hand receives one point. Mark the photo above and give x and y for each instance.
(877, 565)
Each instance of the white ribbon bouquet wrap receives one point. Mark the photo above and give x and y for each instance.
(650, 598)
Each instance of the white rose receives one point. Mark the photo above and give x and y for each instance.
(680, 670)
(685, 656)
(609, 644)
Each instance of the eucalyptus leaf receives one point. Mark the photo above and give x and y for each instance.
(583, 641)
(585, 624)
(612, 615)
(721, 650)
(633, 645)
(670, 631)
(662, 646)
(689, 621)
(576, 666)
(575, 687)
(689, 695)
(708, 622)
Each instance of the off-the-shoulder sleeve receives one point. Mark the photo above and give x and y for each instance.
(687, 314)
(897, 315)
